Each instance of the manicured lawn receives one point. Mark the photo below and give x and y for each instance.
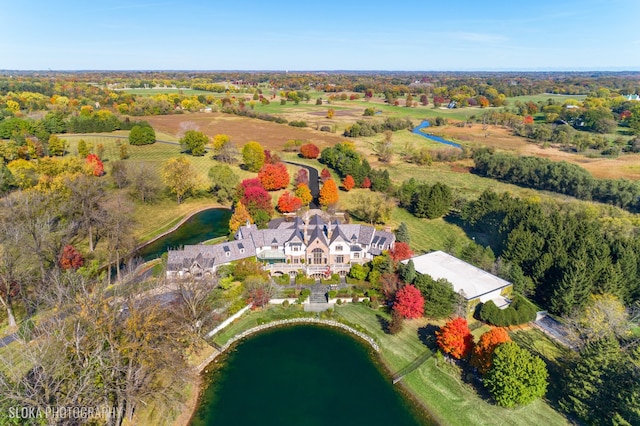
(544, 97)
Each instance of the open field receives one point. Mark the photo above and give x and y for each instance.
(242, 130)
(544, 97)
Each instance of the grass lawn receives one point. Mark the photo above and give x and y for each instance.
(544, 97)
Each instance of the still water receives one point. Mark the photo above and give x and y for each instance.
(302, 375)
(202, 226)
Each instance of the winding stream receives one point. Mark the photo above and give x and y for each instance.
(425, 123)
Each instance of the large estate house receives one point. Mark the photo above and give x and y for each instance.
(313, 244)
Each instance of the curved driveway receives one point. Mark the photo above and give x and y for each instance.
(314, 183)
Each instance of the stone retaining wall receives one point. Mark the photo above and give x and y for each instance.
(278, 323)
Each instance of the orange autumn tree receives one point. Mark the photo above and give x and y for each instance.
(95, 165)
(482, 355)
(304, 194)
(274, 176)
(329, 193)
(288, 203)
(239, 217)
(455, 338)
(348, 183)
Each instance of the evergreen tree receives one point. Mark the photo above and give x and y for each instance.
(402, 233)
(408, 272)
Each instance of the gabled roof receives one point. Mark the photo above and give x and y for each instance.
(317, 234)
(338, 235)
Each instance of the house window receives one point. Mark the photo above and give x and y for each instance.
(274, 247)
(296, 260)
(356, 255)
(317, 256)
(228, 253)
(296, 248)
(339, 259)
(338, 248)
(241, 250)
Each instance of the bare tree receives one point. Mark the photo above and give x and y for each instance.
(83, 206)
(145, 182)
(196, 307)
(118, 230)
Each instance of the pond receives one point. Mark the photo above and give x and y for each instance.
(200, 227)
(302, 375)
(418, 131)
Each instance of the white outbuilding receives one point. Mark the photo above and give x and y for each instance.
(474, 284)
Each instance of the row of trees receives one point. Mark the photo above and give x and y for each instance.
(561, 177)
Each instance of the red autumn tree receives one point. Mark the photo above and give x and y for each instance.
(325, 174)
(625, 114)
(455, 338)
(348, 183)
(309, 150)
(70, 258)
(483, 101)
(257, 198)
(482, 355)
(528, 120)
(366, 183)
(97, 168)
(304, 194)
(329, 193)
(409, 302)
(401, 251)
(288, 203)
(274, 176)
(246, 184)
(302, 177)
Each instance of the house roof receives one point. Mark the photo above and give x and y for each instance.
(474, 282)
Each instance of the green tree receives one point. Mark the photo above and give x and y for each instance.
(194, 142)
(223, 182)
(402, 233)
(253, 156)
(142, 135)
(83, 149)
(516, 377)
(57, 146)
(180, 176)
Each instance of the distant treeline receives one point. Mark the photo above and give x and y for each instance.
(560, 177)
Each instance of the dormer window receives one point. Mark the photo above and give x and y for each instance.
(228, 254)
(338, 248)
(274, 247)
(241, 250)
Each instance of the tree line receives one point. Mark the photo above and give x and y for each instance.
(561, 177)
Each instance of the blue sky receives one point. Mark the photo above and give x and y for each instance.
(320, 35)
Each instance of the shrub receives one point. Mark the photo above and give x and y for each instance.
(142, 135)
(309, 151)
(299, 123)
(325, 129)
(285, 304)
(339, 302)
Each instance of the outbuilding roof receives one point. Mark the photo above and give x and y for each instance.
(474, 282)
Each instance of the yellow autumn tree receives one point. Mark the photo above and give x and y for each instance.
(239, 217)
(304, 193)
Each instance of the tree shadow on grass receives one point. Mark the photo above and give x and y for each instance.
(384, 323)
(427, 336)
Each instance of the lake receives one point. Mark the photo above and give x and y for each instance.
(200, 227)
(302, 375)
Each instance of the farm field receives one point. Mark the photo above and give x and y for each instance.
(164, 91)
